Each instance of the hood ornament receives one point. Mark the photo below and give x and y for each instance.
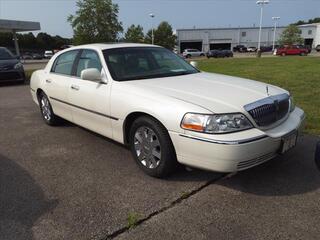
(267, 89)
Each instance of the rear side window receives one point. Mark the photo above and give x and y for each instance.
(64, 63)
(88, 59)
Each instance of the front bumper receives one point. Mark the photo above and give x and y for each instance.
(236, 151)
(12, 75)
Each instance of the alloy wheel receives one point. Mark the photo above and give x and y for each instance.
(45, 108)
(147, 147)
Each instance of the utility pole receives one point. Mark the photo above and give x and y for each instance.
(152, 17)
(274, 31)
(261, 3)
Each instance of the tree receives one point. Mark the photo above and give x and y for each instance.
(134, 34)
(314, 20)
(95, 21)
(291, 35)
(163, 36)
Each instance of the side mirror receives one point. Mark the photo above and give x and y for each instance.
(91, 74)
(194, 64)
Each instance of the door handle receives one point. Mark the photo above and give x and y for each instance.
(48, 81)
(75, 87)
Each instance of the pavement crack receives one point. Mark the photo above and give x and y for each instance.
(182, 198)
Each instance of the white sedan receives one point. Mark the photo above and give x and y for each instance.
(166, 110)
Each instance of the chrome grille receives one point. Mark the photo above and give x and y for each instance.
(269, 110)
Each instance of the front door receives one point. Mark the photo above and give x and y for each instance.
(89, 100)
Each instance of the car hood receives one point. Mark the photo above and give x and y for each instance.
(214, 92)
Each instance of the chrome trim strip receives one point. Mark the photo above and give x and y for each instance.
(268, 100)
(85, 109)
(237, 142)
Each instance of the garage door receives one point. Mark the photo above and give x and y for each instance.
(192, 45)
(222, 46)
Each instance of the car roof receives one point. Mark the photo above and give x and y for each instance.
(104, 46)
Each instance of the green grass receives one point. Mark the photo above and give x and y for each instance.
(299, 75)
(132, 220)
(28, 74)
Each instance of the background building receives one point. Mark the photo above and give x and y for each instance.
(226, 38)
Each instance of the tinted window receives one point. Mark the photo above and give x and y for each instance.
(64, 63)
(5, 54)
(88, 59)
(144, 63)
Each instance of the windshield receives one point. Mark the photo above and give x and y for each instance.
(5, 54)
(145, 62)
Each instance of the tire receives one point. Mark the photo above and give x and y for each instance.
(283, 54)
(188, 56)
(152, 147)
(202, 55)
(303, 54)
(47, 113)
(317, 155)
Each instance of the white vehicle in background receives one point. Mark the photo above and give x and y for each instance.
(166, 110)
(48, 54)
(251, 49)
(188, 53)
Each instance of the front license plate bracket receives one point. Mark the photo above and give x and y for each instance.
(289, 141)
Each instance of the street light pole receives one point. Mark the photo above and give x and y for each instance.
(152, 16)
(261, 3)
(274, 31)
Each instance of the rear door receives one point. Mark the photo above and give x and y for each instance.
(58, 82)
(90, 99)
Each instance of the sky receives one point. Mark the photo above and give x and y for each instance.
(52, 14)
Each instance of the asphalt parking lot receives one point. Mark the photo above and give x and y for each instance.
(68, 183)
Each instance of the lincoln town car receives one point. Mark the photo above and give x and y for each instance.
(166, 110)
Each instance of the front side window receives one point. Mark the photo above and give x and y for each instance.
(88, 59)
(144, 63)
(64, 63)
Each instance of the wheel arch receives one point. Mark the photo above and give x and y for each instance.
(130, 118)
(38, 92)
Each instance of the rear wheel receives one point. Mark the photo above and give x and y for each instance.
(303, 54)
(46, 110)
(152, 147)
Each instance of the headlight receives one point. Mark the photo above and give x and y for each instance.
(217, 123)
(18, 65)
(292, 105)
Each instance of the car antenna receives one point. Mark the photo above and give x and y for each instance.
(267, 89)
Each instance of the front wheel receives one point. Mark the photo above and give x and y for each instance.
(152, 147)
(46, 110)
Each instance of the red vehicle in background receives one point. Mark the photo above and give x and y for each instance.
(292, 50)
